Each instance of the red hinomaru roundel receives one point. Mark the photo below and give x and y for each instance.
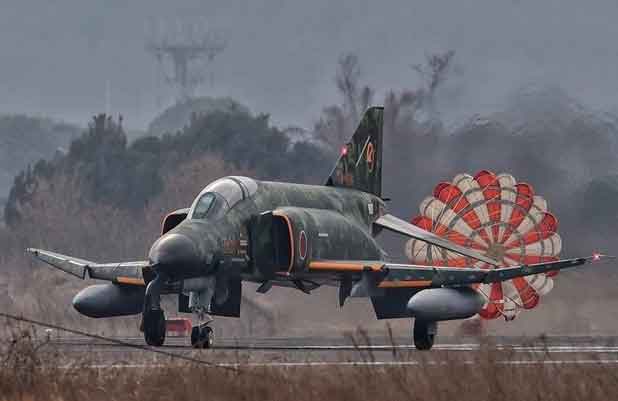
(302, 245)
(500, 218)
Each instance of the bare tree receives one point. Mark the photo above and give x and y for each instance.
(402, 107)
(434, 73)
(339, 120)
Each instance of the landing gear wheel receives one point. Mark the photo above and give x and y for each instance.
(202, 337)
(424, 334)
(154, 327)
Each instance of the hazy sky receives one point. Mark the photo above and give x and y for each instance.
(281, 58)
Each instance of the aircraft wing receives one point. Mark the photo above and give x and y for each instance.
(129, 273)
(392, 223)
(391, 275)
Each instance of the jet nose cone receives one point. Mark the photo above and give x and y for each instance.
(174, 253)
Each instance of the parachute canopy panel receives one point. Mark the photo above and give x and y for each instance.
(500, 218)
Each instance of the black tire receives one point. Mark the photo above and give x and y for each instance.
(202, 337)
(208, 337)
(424, 334)
(154, 328)
(195, 337)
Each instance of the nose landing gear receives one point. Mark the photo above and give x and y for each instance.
(202, 336)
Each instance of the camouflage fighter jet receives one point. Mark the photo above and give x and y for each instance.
(284, 234)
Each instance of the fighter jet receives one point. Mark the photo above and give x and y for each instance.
(291, 235)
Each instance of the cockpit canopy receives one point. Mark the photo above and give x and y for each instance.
(220, 196)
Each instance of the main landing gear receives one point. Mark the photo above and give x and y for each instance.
(154, 327)
(153, 318)
(424, 334)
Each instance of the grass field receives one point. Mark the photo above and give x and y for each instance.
(31, 372)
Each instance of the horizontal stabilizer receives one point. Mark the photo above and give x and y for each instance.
(400, 226)
(129, 273)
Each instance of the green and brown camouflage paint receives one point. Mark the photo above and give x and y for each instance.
(360, 161)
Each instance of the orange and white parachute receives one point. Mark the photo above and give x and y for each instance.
(500, 218)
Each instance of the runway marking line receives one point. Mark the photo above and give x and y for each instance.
(358, 364)
(439, 347)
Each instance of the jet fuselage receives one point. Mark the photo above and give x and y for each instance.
(201, 242)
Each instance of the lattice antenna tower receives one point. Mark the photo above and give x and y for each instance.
(184, 53)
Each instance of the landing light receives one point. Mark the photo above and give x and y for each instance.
(344, 150)
(596, 256)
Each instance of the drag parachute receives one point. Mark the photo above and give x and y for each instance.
(499, 217)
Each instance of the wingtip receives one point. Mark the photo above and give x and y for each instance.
(598, 257)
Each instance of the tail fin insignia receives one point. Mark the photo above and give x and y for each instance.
(360, 161)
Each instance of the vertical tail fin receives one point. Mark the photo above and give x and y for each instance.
(360, 161)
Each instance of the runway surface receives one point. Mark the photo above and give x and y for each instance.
(344, 352)
(517, 344)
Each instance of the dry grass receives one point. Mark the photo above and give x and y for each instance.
(28, 373)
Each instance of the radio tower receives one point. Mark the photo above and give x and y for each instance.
(183, 54)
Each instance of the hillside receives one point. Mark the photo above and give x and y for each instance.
(177, 116)
(110, 170)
